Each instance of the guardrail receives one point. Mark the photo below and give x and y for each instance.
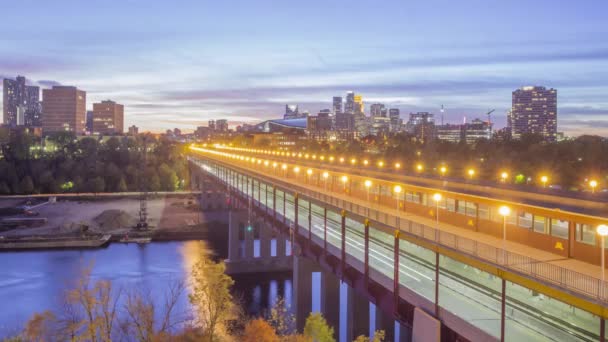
(580, 283)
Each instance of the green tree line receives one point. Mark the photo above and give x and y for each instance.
(66, 164)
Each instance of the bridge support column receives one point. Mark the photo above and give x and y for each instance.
(249, 234)
(357, 317)
(405, 333)
(330, 301)
(302, 283)
(265, 236)
(280, 244)
(236, 220)
(387, 323)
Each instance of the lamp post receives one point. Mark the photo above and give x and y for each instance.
(503, 177)
(397, 190)
(368, 185)
(325, 176)
(602, 231)
(544, 180)
(443, 170)
(504, 211)
(437, 198)
(308, 174)
(344, 179)
(471, 173)
(593, 184)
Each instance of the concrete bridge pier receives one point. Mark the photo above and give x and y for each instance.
(302, 287)
(357, 317)
(281, 243)
(235, 227)
(330, 300)
(387, 323)
(265, 237)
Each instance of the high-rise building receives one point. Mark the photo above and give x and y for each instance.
(422, 126)
(337, 105)
(359, 107)
(394, 116)
(534, 111)
(133, 130)
(467, 132)
(376, 110)
(89, 121)
(221, 125)
(21, 103)
(64, 110)
(108, 117)
(349, 106)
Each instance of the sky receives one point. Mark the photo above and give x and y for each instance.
(182, 63)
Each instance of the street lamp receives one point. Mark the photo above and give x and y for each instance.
(380, 164)
(397, 166)
(308, 174)
(344, 179)
(368, 184)
(471, 173)
(504, 211)
(397, 191)
(504, 176)
(602, 231)
(325, 176)
(296, 170)
(419, 168)
(443, 170)
(437, 197)
(365, 162)
(593, 184)
(544, 180)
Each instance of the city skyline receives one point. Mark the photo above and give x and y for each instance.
(170, 70)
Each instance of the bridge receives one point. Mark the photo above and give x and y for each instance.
(430, 256)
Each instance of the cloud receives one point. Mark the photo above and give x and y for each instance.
(48, 83)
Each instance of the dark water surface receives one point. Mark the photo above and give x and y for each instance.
(34, 281)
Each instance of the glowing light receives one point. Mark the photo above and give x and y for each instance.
(504, 210)
(325, 175)
(602, 230)
(344, 179)
(367, 183)
(380, 164)
(437, 197)
(397, 189)
(419, 167)
(397, 166)
(309, 172)
(296, 169)
(365, 162)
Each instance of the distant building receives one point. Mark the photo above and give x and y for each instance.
(395, 117)
(534, 111)
(21, 103)
(221, 125)
(345, 122)
(349, 106)
(337, 104)
(64, 110)
(421, 125)
(291, 112)
(359, 106)
(377, 110)
(380, 125)
(320, 122)
(133, 130)
(177, 132)
(108, 118)
(467, 132)
(89, 121)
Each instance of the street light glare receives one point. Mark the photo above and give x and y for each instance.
(309, 172)
(397, 189)
(437, 197)
(504, 210)
(344, 179)
(602, 230)
(325, 174)
(296, 169)
(368, 183)
(593, 183)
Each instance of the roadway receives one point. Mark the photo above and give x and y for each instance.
(471, 294)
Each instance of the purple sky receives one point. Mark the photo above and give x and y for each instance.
(181, 63)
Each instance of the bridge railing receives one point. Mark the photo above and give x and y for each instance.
(543, 271)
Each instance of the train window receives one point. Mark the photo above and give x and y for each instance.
(461, 207)
(449, 204)
(471, 209)
(484, 212)
(540, 225)
(585, 233)
(559, 228)
(525, 220)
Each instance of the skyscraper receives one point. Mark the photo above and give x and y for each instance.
(108, 117)
(359, 107)
(395, 118)
(349, 107)
(422, 126)
(64, 110)
(337, 105)
(534, 111)
(21, 103)
(376, 110)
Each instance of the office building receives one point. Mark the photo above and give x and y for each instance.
(345, 122)
(89, 121)
(377, 110)
(534, 111)
(337, 104)
(21, 103)
(422, 126)
(395, 118)
(133, 130)
(349, 106)
(108, 118)
(64, 110)
(359, 106)
(221, 125)
(467, 132)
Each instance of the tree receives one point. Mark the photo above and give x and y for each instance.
(40, 327)
(154, 183)
(4, 189)
(97, 184)
(258, 330)
(211, 295)
(27, 185)
(280, 318)
(317, 329)
(378, 337)
(122, 185)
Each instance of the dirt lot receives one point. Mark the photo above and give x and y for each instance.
(67, 216)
